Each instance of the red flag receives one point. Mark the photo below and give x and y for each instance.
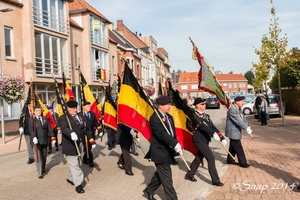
(46, 112)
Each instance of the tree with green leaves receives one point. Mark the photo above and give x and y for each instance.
(272, 53)
(293, 64)
(249, 75)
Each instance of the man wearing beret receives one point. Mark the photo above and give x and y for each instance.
(74, 128)
(201, 138)
(93, 124)
(235, 122)
(162, 149)
(56, 129)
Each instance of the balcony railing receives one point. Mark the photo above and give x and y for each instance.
(101, 41)
(95, 75)
(48, 68)
(50, 21)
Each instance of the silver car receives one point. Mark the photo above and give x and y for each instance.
(274, 106)
(248, 105)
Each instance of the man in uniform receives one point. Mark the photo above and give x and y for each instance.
(162, 149)
(93, 124)
(56, 129)
(40, 130)
(73, 127)
(235, 122)
(257, 104)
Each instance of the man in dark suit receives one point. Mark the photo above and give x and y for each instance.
(162, 149)
(257, 105)
(201, 138)
(124, 139)
(93, 124)
(40, 130)
(23, 129)
(73, 126)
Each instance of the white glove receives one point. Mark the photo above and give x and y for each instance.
(178, 148)
(53, 142)
(100, 134)
(59, 131)
(94, 146)
(35, 140)
(224, 142)
(21, 130)
(137, 139)
(132, 132)
(74, 136)
(249, 130)
(216, 137)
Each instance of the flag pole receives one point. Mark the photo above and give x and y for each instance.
(155, 110)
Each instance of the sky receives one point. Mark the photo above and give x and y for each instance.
(225, 32)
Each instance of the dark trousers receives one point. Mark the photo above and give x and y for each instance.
(263, 119)
(111, 137)
(56, 143)
(204, 152)
(162, 176)
(40, 153)
(88, 155)
(125, 159)
(236, 148)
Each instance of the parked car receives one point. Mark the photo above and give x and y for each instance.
(212, 102)
(248, 105)
(274, 106)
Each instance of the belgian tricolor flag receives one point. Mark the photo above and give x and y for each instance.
(110, 111)
(134, 109)
(88, 96)
(69, 96)
(183, 120)
(46, 112)
(61, 104)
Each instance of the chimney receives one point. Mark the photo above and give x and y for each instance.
(136, 33)
(140, 34)
(120, 25)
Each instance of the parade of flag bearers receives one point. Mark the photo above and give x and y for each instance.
(93, 110)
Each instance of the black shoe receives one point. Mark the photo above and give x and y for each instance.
(218, 183)
(136, 154)
(245, 165)
(57, 149)
(41, 176)
(92, 165)
(191, 178)
(232, 162)
(60, 144)
(49, 152)
(30, 161)
(71, 182)
(149, 196)
(121, 166)
(109, 148)
(79, 189)
(129, 173)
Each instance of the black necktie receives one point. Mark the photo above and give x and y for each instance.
(41, 120)
(169, 124)
(88, 115)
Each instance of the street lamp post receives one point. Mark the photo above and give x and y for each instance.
(2, 9)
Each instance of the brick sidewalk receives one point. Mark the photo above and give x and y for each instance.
(274, 155)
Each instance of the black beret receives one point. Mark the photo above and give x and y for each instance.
(86, 103)
(198, 100)
(239, 98)
(163, 100)
(72, 104)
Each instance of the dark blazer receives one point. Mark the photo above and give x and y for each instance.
(68, 145)
(162, 146)
(42, 131)
(123, 135)
(23, 122)
(92, 123)
(205, 129)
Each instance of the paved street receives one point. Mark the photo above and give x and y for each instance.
(273, 153)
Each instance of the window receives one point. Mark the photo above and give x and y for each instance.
(50, 14)
(194, 87)
(50, 55)
(229, 85)
(97, 32)
(224, 85)
(76, 58)
(184, 87)
(234, 85)
(98, 62)
(242, 85)
(8, 42)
